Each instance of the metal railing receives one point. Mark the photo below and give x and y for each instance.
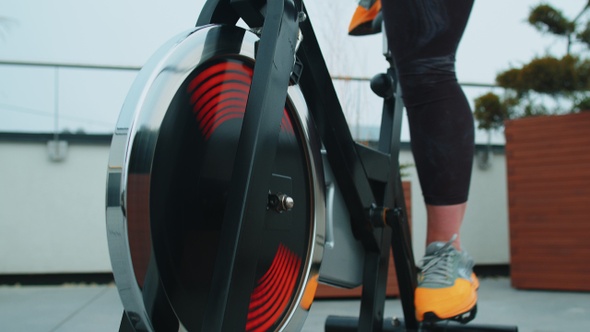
(58, 67)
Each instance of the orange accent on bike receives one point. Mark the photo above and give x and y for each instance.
(309, 293)
(362, 20)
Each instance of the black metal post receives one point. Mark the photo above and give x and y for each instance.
(322, 100)
(401, 240)
(375, 285)
(234, 274)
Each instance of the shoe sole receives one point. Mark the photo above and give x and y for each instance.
(463, 318)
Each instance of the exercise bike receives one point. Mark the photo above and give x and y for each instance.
(235, 187)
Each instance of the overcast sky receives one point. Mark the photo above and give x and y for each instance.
(127, 32)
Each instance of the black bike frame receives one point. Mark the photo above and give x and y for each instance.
(236, 260)
(370, 183)
(368, 178)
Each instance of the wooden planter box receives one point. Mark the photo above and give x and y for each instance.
(548, 166)
(326, 291)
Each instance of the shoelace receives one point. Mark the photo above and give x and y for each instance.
(437, 267)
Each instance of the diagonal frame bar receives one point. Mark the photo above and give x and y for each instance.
(235, 268)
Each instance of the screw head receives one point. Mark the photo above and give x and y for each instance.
(287, 202)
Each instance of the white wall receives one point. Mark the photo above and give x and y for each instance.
(52, 216)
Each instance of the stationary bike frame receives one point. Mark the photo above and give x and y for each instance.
(368, 179)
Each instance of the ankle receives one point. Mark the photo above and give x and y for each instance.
(443, 237)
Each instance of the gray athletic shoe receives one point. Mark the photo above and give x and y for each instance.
(447, 286)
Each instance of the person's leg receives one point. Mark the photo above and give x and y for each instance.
(423, 36)
(443, 222)
(442, 140)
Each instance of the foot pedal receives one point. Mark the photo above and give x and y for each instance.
(464, 318)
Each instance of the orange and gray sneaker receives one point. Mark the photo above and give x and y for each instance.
(362, 20)
(447, 286)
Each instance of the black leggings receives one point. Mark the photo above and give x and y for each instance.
(423, 37)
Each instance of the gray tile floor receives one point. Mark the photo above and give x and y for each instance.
(89, 308)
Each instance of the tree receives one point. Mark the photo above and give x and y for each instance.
(565, 79)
